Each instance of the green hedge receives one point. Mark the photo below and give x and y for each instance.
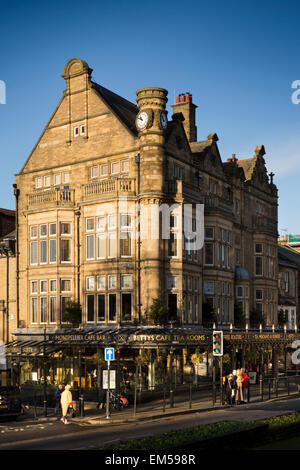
(203, 432)
(184, 436)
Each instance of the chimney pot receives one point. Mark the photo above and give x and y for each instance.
(182, 98)
(177, 98)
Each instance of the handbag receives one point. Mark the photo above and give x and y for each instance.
(71, 411)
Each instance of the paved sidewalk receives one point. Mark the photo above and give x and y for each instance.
(153, 410)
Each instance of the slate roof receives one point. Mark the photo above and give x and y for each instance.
(288, 257)
(124, 109)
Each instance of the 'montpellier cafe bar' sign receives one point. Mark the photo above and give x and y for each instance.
(139, 339)
(172, 338)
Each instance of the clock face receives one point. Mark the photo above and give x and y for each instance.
(163, 120)
(142, 120)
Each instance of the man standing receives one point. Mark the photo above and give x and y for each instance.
(57, 396)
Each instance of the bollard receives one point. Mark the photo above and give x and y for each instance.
(81, 405)
(164, 399)
(190, 401)
(262, 389)
(134, 403)
(288, 386)
(34, 404)
(171, 398)
(269, 389)
(248, 394)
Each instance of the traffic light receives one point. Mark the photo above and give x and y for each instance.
(218, 343)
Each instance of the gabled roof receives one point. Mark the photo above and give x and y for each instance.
(7, 212)
(125, 110)
(248, 165)
(288, 256)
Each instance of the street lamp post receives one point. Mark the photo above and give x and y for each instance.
(45, 374)
(7, 248)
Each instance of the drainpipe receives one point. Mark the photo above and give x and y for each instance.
(78, 213)
(7, 298)
(16, 194)
(138, 161)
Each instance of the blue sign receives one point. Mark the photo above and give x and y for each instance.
(109, 354)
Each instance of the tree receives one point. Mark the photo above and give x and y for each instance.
(256, 318)
(159, 312)
(209, 315)
(239, 317)
(72, 313)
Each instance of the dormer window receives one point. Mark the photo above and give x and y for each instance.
(76, 131)
(82, 130)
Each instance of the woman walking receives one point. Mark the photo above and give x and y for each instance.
(66, 401)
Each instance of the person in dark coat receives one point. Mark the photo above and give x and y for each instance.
(102, 403)
(234, 386)
(57, 397)
(228, 389)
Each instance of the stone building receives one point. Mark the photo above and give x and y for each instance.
(90, 223)
(288, 285)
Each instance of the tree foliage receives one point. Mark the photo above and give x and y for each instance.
(72, 313)
(159, 312)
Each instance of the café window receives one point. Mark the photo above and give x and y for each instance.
(112, 282)
(126, 281)
(209, 233)
(34, 287)
(258, 248)
(65, 228)
(112, 307)
(43, 252)
(258, 265)
(90, 283)
(65, 285)
(172, 306)
(52, 230)
(43, 286)
(52, 307)
(172, 282)
(101, 307)
(52, 247)
(209, 254)
(33, 231)
(126, 306)
(173, 245)
(125, 243)
(43, 301)
(94, 172)
(208, 287)
(90, 308)
(34, 309)
(65, 250)
(104, 169)
(258, 294)
(100, 282)
(64, 302)
(90, 249)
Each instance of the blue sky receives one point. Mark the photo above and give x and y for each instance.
(237, 58)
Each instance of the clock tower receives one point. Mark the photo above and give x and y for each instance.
(151, 123)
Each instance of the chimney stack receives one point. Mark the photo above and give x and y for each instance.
(184, 104)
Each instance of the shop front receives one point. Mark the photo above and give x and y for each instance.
(150, 357)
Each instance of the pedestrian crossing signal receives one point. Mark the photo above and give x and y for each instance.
(217, 343)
